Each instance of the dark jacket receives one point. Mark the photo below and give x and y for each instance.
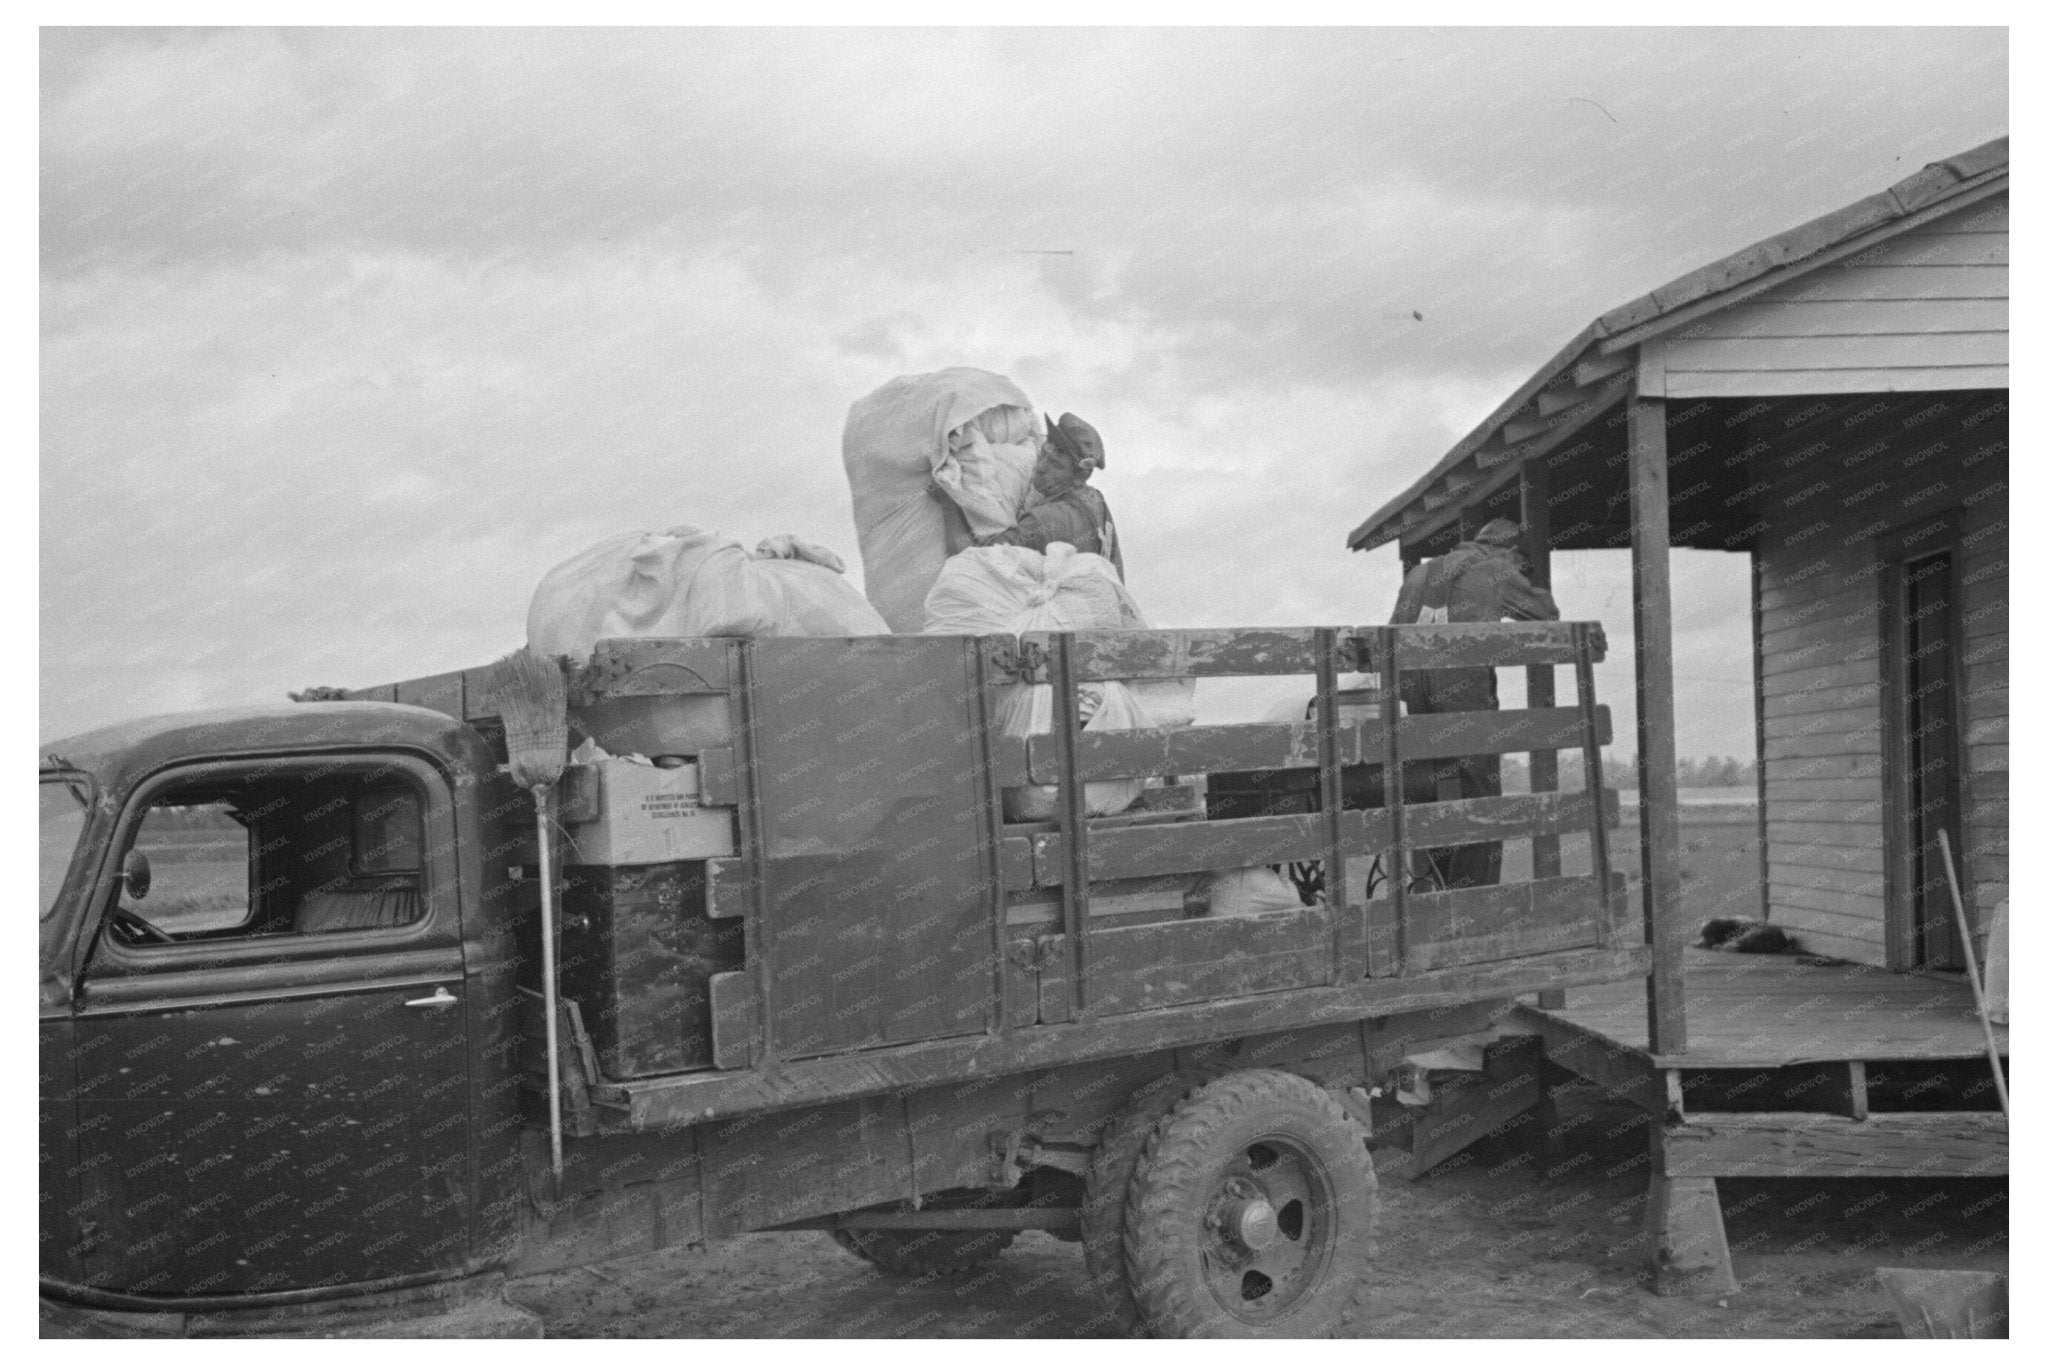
(1079, 516)
(1473, 582)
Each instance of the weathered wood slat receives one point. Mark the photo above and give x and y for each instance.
(1489, 923)
(1158, 850)
(1134, 654)
(1156, 966)
(1126, 655)
(1878, 283)
(1161, 850)
(441, 692)
(1241, 748)
(1792, 383)
(728, 890)
(1487, 818)
(1858, 318)
(1503, 645)
(735, 1023)
(1198, 749)
(655, 667)
(1905, 1145)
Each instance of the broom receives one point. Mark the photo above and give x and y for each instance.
(533, 702)
(1955, 896)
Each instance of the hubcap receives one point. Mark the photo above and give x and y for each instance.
(1269, 1225)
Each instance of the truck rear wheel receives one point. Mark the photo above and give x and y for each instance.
(1108, 1185)
(1251, 1212)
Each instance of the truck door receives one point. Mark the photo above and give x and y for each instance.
(271, 1064)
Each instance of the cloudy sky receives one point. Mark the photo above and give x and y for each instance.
(349, 335)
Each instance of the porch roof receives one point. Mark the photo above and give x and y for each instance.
(1571, 411)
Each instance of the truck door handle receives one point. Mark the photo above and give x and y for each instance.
(439, 1000)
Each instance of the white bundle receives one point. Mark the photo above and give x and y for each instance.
(689, 582)
(934, 462)
(1009, 590)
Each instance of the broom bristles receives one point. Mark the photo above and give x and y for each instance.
(533, 702)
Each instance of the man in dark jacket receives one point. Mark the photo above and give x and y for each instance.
(1481, 579)
(1061, 506)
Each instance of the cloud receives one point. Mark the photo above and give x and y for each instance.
(348, 335)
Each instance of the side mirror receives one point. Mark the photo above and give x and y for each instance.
(135, 874)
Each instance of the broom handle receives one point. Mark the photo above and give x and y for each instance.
(1955, 897)
(550, 996)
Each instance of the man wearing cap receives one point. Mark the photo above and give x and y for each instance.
(1061, 506)
(1481, 579)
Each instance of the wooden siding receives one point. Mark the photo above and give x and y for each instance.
(1925, 310)
(1820, 587)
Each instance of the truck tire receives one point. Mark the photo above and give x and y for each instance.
(1251, 1212)
(1108, 1185)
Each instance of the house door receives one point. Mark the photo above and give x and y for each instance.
(1927, 713)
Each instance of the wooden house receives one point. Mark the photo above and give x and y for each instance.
(1830, 401)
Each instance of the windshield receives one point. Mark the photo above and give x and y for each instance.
(63, 802)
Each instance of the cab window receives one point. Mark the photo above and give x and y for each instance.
(273, 852)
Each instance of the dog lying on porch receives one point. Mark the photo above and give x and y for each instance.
(1736, 934)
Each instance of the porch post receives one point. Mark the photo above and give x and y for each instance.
(1656, 718)
(1542, 685)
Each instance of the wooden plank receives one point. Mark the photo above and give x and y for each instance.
(1796, 903)
(1857, 834)
(1624, 1071)
(660, 667)
(1799, 854)
(1903, 1145)
(718, 781)
(1884, 282)
(1158, 966)
(1158, 850)
(728, 889)
(735, 1022)
(1125, 655)
(1851, 881)
(1862, 790)
(1795, 317)
(1197, 749)
(1161, 850)
(1820, 677)
(1272, 746)
(1457, 734)
(1834, 767)
(1496, 645)
(1791, 383)
(1840, 720)
(1807, 702)
(1489, 818)
(1823, 745)
(1488, 923)
(441, 692)
(1128, 654)
(1656, 721)
(1939, 249)
(688, 1098)
(1820, 653)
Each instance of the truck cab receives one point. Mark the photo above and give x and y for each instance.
(274, 1008)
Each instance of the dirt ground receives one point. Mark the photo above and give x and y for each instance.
(1508, 1241)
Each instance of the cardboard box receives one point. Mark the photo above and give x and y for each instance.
(643, 814)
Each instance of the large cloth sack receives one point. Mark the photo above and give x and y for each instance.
(934, 462)
(1009, 590)
(686, 581)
